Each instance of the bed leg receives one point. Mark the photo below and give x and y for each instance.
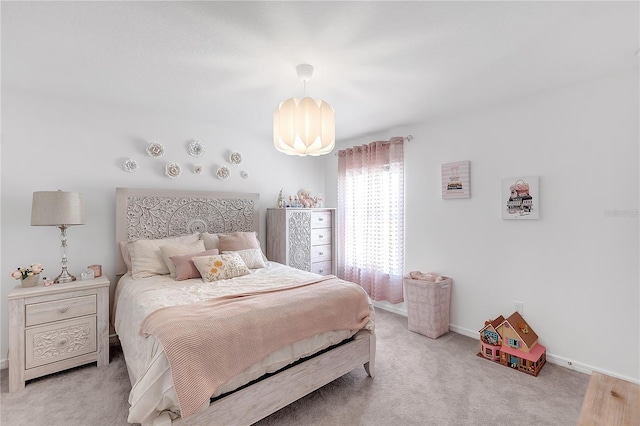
(369, 367)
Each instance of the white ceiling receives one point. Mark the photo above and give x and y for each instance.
(379, 64)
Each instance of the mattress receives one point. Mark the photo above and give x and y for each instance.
(152, 390)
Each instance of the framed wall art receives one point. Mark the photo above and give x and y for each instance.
(455, 180)
(520, 198)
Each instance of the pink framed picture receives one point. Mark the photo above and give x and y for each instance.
(456, 180)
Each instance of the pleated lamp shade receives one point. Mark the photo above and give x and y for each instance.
(304, 127)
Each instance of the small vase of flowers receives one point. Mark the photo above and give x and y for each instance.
(29, 276)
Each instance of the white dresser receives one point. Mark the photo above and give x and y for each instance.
(57, 327)
(302, 238)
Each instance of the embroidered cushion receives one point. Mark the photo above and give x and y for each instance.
(220, 267)
(251, 257)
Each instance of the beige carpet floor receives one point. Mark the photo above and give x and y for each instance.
(419, 381)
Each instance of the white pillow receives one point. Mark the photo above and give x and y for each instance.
(211, 241)
(146, 257)
(251, 257)
(220, 266)
(126, 256)
(177, 250)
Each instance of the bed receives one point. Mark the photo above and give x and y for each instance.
(277, 370)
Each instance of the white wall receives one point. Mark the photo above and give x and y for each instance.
(50, 144)
(575, 269)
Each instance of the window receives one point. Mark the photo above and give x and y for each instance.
(514, 343)
(371, 218)
(491, 337)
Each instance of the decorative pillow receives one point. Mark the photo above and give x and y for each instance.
(210, 240)
(220, 267)
(184, 266)
(146, 257)
(235, 241)
(178, 249)
(251, 257)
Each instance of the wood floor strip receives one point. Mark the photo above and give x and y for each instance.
(610, 401)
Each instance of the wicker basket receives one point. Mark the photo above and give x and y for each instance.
(428, 306)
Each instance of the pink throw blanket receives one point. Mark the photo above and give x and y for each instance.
(207, 343)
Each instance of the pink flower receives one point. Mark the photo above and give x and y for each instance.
(21, 274)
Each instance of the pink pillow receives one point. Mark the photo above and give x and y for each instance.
(235, 241)
(185, 268)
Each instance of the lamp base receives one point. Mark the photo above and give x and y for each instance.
(64, 277)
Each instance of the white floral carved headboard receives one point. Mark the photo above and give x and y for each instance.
(155, 213)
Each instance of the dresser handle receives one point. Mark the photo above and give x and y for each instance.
(320, 236)
(320, 219)
(320, 253)
(63, 309)
(321, 271)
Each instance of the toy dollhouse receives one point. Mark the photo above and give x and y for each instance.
(511, 342)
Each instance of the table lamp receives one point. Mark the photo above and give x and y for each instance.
(61, 209)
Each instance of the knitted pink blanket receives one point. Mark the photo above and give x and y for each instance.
(207, 343)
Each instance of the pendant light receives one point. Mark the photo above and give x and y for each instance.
(304, 126)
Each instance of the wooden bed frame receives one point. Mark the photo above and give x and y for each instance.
(152, 213)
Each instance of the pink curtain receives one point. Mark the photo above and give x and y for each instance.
(371, 218)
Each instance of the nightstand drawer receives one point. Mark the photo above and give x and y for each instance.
(322, 268)
(54, 342)
(321, 219)
(40, 313)
(320, 236)
(320, 253)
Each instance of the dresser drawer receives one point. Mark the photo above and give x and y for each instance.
(320, 236)
(40, 313)
(54, 342)
(321, 219)
(320, 253)
(322, 268)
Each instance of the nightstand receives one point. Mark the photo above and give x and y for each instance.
(57, 327)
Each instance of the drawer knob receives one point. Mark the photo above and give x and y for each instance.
(320, 236)
(321, 253)
(63, 309)
(321, 271)
(320, 219)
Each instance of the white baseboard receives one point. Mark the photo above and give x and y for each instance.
(385, 306)
(553, 359)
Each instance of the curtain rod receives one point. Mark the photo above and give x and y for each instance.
(407, 138)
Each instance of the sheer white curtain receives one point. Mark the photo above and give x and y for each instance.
(371, 218)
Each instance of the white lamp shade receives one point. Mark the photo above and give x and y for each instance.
(55, 208)
(304, 127)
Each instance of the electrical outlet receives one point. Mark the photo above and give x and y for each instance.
(519, 307)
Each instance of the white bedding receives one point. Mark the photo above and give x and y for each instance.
(152, 386)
